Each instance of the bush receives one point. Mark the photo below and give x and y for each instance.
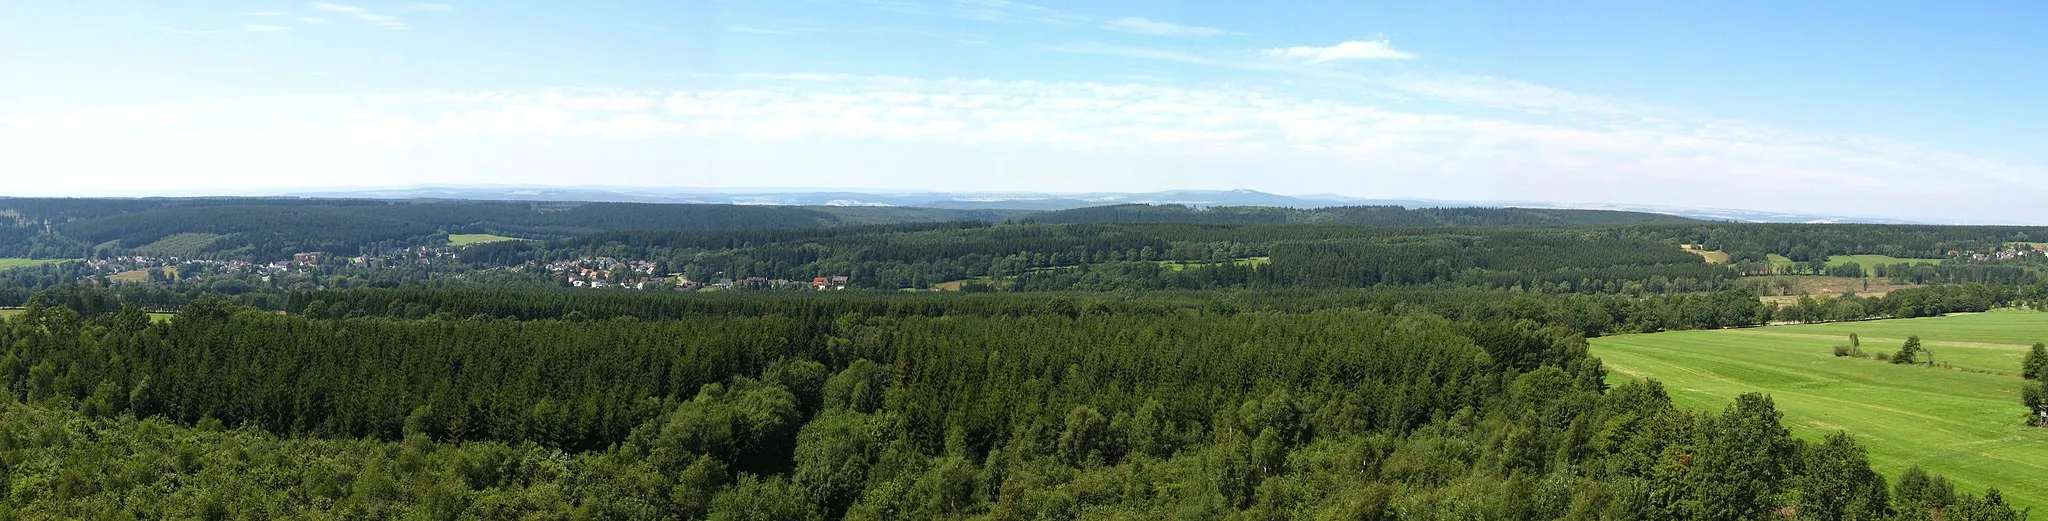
(1882, 356)
(1841, 350)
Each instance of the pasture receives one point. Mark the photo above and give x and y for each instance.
(1785, 289)
(6, 313)
(1781, 263)
(1248, 261)
(1965, 422)
(17, 263)
(465, 239)
(1711, 256)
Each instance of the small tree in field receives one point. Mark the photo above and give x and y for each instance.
(2037, 360)
(2035, 396)
(1909, 352)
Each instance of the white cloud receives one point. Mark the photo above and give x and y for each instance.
(1469, 90)
(361, 13)
(1132, 24)
(431, 7)
(262, 28)
(822, 130)
(312, 20)
(1352, 50)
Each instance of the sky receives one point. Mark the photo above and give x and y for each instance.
(1912, 110)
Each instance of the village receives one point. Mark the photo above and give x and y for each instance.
(612, 273)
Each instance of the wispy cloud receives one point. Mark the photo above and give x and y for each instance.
(189, 32)
(1464, 89)
(1056, 128)
(262, 28)
(1352, 50)
(313, 20)
(758, 30)
(431, 7)
(981, 10)
(1139, 25)
(361, 13)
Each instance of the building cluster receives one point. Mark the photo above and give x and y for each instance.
(606, 272)
(2018, 251)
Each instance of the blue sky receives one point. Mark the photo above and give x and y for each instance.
(1899, 109)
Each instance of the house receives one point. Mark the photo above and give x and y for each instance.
(820, 282)
(312, 257)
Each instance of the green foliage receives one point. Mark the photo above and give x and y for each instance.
(1909, 352)
(757, 499)
(1965, 423)
(2035, 366)
(1838, 483)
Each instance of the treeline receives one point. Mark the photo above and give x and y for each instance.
(1909, 303)
(1589, 315)
(1807, 242)
(1038, 257)
(1264, 415)
(272, 228)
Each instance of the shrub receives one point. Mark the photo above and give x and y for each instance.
(1841, 350)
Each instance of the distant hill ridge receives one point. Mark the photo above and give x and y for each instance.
(1353, 215)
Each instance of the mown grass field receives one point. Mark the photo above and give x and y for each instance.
(1248, 261)
(957, 284)
(16, 263)
(1869, 262)
(465, 239)
(1786, 289)
(1959, 422)
(1711, 256)
(153, 317)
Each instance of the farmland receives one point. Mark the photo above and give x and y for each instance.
(1781, 263)
(1964, 421)
(1784, 289)
(1711, 256)
(17, 263)
(6, 313)
(1249, 261)
(465, 239)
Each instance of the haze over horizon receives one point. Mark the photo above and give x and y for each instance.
(1904, 111)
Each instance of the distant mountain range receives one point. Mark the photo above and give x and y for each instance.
(1031, 201)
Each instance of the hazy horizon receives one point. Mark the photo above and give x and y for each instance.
(1905, 112)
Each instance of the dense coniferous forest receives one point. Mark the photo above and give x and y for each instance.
(1067, 411)
(1112, 363)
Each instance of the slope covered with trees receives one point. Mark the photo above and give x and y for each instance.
(1065, 413)
(270, 228)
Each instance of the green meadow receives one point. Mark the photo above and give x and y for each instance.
(465, 239)
(1869, 262)
(1964, 421)
(16, 263)
(1248, 261)
(153, 317)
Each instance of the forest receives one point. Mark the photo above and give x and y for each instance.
(791, 412)
(1114, 363)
